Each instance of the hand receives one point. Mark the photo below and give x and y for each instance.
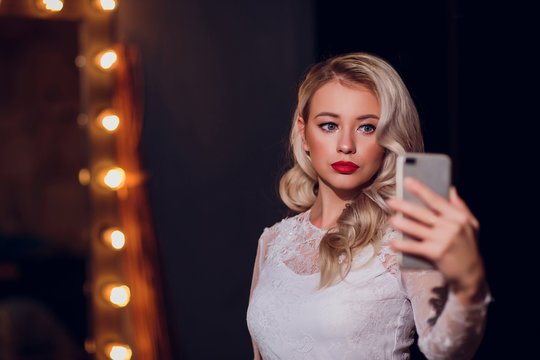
(446, 230)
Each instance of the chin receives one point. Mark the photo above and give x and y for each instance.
(344, 184)
(352, 190)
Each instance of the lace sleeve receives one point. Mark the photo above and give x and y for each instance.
(267, 235)
(446, 328)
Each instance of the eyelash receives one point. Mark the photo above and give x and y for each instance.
(326, 125)
(371, 127)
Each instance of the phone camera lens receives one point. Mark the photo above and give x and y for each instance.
(410, 161)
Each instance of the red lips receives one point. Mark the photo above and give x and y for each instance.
(345, 167)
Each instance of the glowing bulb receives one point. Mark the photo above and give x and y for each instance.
(114, 178)
(114, 237)
(107, 59)
(118, 352)
(84, 177)
(90, 346)
(118, 295)
(80, 61)
(106, 5)
(50, 5)
(108, 120)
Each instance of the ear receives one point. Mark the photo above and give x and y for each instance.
(301, 124)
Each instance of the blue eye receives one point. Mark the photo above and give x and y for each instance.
(329, 126)
(367, 128)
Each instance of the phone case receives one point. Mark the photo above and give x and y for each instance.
(434, 170)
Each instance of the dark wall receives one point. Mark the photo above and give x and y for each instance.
(220, 89)
(43, 209)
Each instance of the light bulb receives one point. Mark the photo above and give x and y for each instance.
(107, 59)
(84, 177)
(114, 238)
(117, 351)
(118, 295)
(106, 5)
(50, 5)
(113, 178)
(108, 120)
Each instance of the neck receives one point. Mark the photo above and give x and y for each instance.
(329, 205)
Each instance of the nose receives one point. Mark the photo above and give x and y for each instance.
(346, 143)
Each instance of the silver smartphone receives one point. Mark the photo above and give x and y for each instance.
(434, 170)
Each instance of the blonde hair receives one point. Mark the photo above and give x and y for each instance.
(398, 131)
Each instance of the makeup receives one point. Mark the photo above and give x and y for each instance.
(345, 167)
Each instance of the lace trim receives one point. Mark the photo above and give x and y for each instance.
(301, 254)
(386, 256)
(298, 246)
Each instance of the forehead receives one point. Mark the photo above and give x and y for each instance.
(337, 97)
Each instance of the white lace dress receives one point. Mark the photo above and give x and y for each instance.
(372, 314)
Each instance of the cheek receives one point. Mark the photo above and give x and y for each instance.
(314, 143)
(373, 153)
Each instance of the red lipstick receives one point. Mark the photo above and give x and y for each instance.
(345, 167)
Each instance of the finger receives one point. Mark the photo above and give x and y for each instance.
(413, 211)
(437, 203)
(457, 202)
(413, 247)
(410, 227)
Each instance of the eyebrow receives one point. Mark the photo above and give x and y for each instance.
(332, 115)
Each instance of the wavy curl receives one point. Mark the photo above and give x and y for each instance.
(363, 220)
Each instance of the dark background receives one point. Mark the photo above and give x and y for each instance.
(221, 80)
(44, 211)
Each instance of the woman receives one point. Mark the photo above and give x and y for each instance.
(326, 283)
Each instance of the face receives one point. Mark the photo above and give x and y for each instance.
(340, 137)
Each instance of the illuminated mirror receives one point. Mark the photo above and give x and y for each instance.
(46, 224)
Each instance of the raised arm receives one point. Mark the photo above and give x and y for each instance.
(446, 230)
(446, 328)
